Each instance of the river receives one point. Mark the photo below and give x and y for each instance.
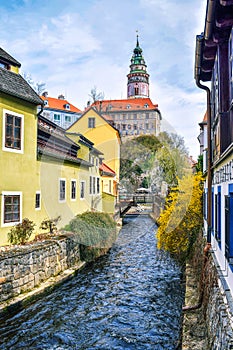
(129, 299)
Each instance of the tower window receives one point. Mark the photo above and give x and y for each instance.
(136, 90)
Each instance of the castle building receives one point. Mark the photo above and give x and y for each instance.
(138, 78)
(136, 115)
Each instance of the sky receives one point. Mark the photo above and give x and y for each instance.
(75, 45)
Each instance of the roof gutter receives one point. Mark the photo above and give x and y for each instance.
(209, 20)
(198, 59)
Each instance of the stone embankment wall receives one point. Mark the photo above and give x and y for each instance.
(211, 326)
(25, 267)
(219, 310)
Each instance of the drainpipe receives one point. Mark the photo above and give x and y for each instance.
(199, 43)
(40, 111)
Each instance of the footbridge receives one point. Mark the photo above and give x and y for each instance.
(127, 201)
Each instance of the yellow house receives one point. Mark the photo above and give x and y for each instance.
(43, 173)
(107, 140)
(18, 146)
(69, 173)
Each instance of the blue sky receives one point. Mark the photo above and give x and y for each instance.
(74, 45)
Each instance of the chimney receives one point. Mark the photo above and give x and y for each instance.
(45, 94)
(61, 97)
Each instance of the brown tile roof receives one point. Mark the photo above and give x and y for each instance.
(125, 104)
(59, 104)
(106, 170)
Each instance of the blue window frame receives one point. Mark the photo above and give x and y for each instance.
(218, 216)
(229, 226)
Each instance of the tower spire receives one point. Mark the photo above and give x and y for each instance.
(137, 39)
(138, 78)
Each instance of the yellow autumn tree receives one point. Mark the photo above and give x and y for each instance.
(181, 220)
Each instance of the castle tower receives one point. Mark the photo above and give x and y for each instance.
(138, 78)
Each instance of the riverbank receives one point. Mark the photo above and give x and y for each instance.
(194, 334)
(19, 302)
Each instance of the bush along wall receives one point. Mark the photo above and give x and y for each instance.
(25, 267)
(95, 232)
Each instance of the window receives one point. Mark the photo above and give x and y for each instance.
(73, 189)
(46, 103)
(91, 123)
(90, 185)
(11, 208)
(229, 226)
(231, 63)
(218, 216)
(147, 115)
(98, 185)
(97, 162)
(37, 201)
(82, 189)
(13, 125)
(62, 190)
(67, 118)
(135, 116)
(110, 186)
(56, 117)
(93, 185)
(67, 106)
(4, 65)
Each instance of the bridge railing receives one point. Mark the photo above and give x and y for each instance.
(137, 198)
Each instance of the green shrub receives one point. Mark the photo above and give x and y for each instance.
(20, 233)
(93, 229)
(50, 224)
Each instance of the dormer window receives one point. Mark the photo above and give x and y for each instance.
(46, 103)
(4, 65)
(67, 106)
(128, 106)
(146, 105)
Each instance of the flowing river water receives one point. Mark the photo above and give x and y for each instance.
(129, 299)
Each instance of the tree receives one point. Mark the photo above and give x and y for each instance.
(182, 219)
(39, 87)
(95, 95)
(163, 158)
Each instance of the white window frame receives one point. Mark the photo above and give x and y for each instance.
(11, 193)
(39, 208)
(71, 181)
(59, 187)
(7, 149)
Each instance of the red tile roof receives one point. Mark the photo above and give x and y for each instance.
(105, 169)
(59, 104)
(126, 104)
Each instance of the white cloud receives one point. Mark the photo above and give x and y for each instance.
(75, 47)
